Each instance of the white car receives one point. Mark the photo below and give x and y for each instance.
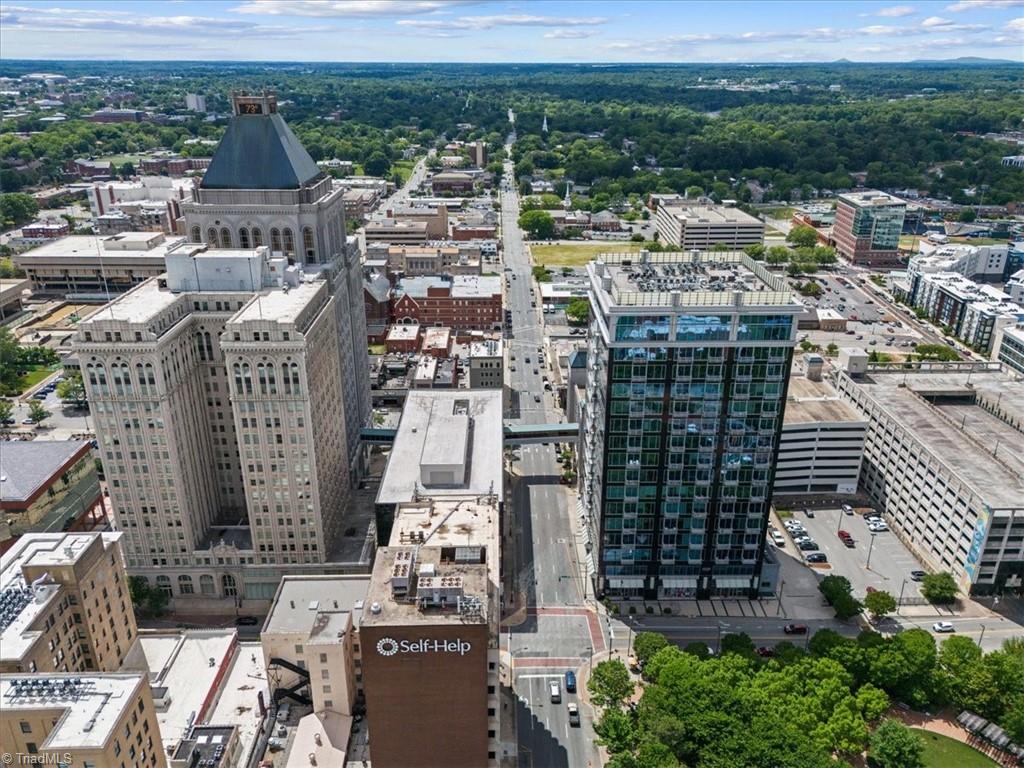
(943, 626)
(877, 527)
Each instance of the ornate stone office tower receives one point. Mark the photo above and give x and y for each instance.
(263, 188)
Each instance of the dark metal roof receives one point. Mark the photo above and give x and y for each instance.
(260, 152)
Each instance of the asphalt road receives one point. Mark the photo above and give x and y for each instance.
(544, 550)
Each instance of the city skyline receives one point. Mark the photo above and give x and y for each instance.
(496, 31)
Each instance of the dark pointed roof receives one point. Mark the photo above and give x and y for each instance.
(260, 152)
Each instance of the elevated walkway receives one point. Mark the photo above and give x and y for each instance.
(515, 434)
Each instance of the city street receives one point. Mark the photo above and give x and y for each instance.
(559, 632)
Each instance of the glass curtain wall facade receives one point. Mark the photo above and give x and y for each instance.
(684, 417)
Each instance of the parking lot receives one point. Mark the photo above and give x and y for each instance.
(890, 561)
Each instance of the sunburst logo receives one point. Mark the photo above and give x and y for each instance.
(387, 646)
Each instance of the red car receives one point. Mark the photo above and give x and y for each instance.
(795, 629)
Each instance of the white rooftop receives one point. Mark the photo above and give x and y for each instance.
(415, 439)
(238, 701)
(92, 706)
(20, 603)
(301, 602)
(279, 305)
(188, 664)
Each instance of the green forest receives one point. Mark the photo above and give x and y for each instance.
(623, 130)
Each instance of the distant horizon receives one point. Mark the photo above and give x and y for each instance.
(981, 61)
(512, 31)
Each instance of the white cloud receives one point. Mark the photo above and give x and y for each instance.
(344, 8)
(976, 5)
(895, 11)
(1015, 25)
(935, 21)
(569, 34)
(509, 20)
(74, 19)
(879, 29)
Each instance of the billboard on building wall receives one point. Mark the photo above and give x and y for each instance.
(978, 542)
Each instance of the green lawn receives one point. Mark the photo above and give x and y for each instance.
(782, 212)
(378, 349)
(577, 254)
(403, 168)
(944, 752)
(30, 379)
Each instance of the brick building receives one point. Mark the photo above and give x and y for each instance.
(462, 302)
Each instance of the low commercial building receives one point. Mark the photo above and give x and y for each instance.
(831, 320)
(434, 216)
(403, 338)
(486, 364)
(47, 486)
(453, 182)
(359, 203)
(434, 259)
(437, 342)
(92, 169)
(43, 231)
(91, 720)
(943, 464)
(91, 268)
(12, 291)
(398, 232)
(462, 302)
(699, 227)
(867, 228)
(822, 441)
(972, 312)
(152, 203)
(64, 604)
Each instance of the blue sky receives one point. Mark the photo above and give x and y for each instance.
(523, 30)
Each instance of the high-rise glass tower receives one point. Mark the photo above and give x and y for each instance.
(688, 362)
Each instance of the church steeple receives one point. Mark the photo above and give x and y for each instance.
(544, 127)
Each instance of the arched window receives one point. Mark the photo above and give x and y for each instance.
(185, 585)
(211, 237)
(289, 242)
(296, 386)
(261, 376)
(247, 378)
(227, 582)
(120, 374)
(243, 238)
(271, 379)
(225, 237)
(307, 243)
(150, 375)
(163, 583)
(238, 377)
(275, 239)
(257, 237)
(206, 584)
(197, 235)
(140, 376)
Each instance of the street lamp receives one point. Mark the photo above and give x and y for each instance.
(899, 601)
(871, 546)
(982, 636)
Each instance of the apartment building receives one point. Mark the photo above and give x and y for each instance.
(221, 377)
(688, 362)
(984, 263)
(1008, 348)
(943, 464)
(97, 721)
(867, 228)
(972, 312)
(311, 641)
(151, 203)
(699, 227)
(461, 302)
(64, 604)
(43, 231)
(822, 441)
(91, 268)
